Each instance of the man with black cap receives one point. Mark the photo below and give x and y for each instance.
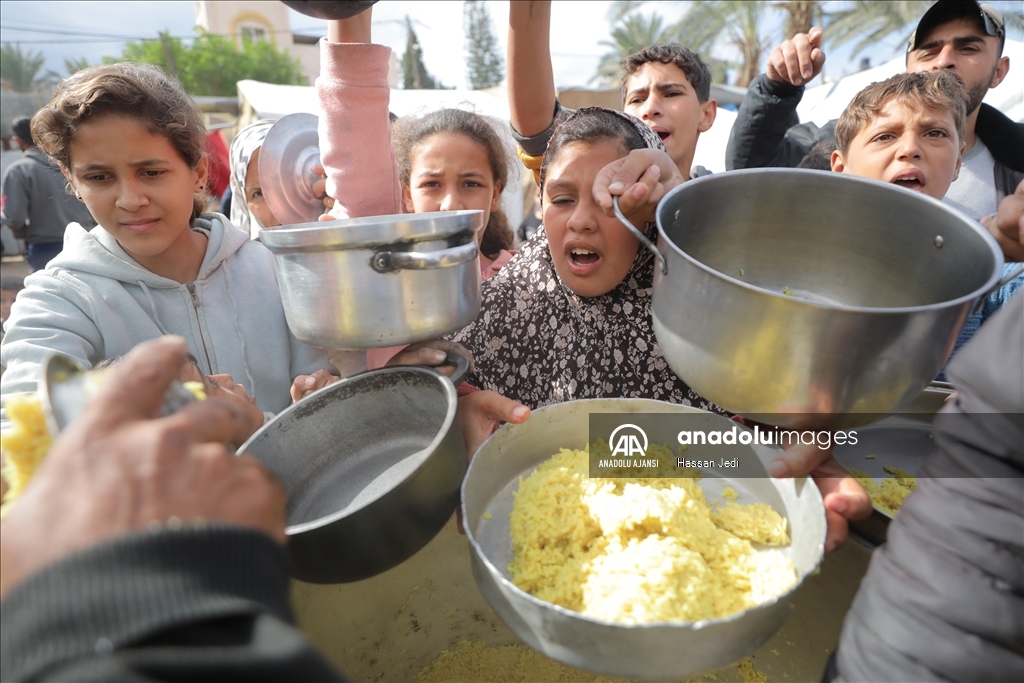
(37, 204)
(961, 35)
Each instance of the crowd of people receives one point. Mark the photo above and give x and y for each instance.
(165, 557)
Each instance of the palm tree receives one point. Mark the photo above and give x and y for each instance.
(740, 24)
(799, 15)
(705, 24)
(633, 33)
(873, 21)
(18, 69)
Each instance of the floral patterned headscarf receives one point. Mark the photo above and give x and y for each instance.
(539, 343)
(248, 140)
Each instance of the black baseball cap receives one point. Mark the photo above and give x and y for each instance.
(989, 19)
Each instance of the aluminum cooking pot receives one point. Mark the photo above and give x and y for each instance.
(655, 651)
(382, 281)
(809, 298)
(372, 466)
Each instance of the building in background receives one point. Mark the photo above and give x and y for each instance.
(268, 21)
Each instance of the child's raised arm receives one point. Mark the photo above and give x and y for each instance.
(531, 79)
(355, 132)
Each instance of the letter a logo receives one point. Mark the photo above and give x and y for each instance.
(628, 444)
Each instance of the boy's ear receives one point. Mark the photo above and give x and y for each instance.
(708, 110)
(959, 160)
(407, 199)
(839, 164)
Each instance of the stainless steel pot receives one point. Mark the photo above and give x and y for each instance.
(657, 651)
(369, 282)
(372, 466)
(797, 295)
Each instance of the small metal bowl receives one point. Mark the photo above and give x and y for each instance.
(655, 651)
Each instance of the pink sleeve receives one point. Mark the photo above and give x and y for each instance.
(355, 133)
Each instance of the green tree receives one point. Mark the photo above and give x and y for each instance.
(705, 25)
(634, 31)
(414, 72)
(19, 70)
(484, 62)
(214, 64)
(873, 21)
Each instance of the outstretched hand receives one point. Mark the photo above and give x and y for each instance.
(1007, 224)
(304, 385)
(798, 60)
(119, 468)
(640, 180)
(845, 499)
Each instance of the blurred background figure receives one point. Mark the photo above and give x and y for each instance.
(37, 204)
(532, 217)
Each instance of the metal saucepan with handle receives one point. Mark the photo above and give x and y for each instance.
(382, 281)
(372, 466)
(817, 297)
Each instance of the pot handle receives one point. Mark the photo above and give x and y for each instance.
(461, 364)
(389, 261)
(999, 285)
(640, 236)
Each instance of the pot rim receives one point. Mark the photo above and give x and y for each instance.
(510, 590)
(981, 292)
(422, 456)
(371, 231)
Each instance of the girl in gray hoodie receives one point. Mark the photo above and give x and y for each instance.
(131, 144)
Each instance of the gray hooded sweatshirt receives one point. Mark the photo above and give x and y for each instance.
(944, 598)
(95, 302)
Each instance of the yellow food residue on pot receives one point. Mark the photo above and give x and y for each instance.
(641, 550)
(27, 440)
(24, 444)
(890, 494)
(472, 662)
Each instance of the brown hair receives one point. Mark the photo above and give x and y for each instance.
(409, 132)
(931, 89)
(688, 61)
(140, 91)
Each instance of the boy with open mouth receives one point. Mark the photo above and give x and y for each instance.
(907, 130)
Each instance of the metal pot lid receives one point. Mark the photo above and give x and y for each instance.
(371, 231)
(287, 157)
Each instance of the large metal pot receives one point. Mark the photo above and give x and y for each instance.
(370, 282)
(655, 651)
(372, 466)
(797, 295)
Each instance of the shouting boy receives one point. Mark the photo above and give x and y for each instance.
(667, 86)
(907, 130)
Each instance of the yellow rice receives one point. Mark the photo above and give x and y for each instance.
(641, 550)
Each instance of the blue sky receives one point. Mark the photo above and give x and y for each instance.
(94, 29)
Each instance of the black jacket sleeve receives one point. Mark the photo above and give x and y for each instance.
(194, 604)
(1005, 141)
(767, 131)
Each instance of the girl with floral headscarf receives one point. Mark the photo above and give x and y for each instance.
(570, 316)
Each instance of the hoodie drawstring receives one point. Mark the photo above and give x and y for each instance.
(238, 331)
(152, 307)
